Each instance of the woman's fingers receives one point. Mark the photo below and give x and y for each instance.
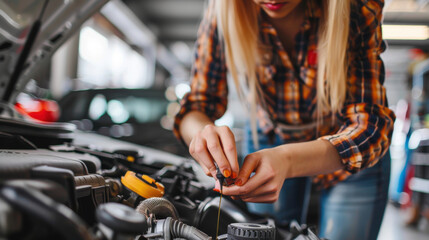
(265, 184)
(245, 184)
(206, 170)
(252, 186)
(217, 186)
(241, 186)
(228, 145)
(257, 189)
(198, 150)
(267, 192)
(215, 149)
(215, 144)
(250, 164)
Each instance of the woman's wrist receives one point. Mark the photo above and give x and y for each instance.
(308, 158)
(282, 155)
(192, 123)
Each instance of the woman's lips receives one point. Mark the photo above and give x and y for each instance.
(274, 6)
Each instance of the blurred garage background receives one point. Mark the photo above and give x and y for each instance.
(125, 72)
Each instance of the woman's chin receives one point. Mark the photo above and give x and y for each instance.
(276, 15)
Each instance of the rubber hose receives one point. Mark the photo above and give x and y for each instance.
(180, 230)
(160, 207)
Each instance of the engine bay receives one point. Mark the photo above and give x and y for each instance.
(65, 184)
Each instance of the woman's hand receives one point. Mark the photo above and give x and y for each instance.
(270, 167)
(215, 144)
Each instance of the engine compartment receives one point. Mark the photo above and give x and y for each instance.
(65, 184)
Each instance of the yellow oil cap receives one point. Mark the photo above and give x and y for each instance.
(143, 185)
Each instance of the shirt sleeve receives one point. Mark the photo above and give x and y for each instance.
(209, 89)
(367, 122)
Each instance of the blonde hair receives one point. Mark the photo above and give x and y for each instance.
(237, 22)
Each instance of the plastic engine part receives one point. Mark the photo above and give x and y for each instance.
(249, 231)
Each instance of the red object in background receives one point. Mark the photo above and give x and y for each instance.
(407, 190)
(39, 109)
(312, 57)
(416, 53)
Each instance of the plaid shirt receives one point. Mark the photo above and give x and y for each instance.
(364, 127)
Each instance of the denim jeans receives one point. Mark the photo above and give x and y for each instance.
(352, 209)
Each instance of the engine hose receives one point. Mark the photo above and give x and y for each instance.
(177, 229)
(160, 207)
(43, 209)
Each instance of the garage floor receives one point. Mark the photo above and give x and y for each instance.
(393, 227)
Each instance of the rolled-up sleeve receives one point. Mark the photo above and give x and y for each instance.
(208, 76)
(367, 123)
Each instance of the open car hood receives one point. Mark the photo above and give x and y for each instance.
(61, 19)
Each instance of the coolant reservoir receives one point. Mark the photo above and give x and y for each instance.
(143, 185)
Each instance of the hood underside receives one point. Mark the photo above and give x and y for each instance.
(60, 20)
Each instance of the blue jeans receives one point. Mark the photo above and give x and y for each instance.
(352, 209)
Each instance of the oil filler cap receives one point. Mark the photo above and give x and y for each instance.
(143, 185)
(249, 231)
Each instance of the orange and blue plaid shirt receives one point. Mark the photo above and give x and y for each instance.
(364, 126)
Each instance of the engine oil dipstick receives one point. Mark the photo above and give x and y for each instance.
(218, 215)
(221, 179)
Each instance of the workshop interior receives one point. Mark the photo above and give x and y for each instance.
(89, 91)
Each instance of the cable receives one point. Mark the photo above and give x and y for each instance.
(42, 208)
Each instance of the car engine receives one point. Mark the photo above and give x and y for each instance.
(57, 183)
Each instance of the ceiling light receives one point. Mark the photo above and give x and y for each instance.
(405, 32)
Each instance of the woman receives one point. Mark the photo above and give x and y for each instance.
(311, 74)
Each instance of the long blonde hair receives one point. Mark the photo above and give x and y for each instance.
(237, 22)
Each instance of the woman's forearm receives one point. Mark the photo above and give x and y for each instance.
(310, 158)
(191, 124)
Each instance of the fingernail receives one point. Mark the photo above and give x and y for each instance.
(238, 182)
(234, 175)
(216, 190)
(226, 173)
